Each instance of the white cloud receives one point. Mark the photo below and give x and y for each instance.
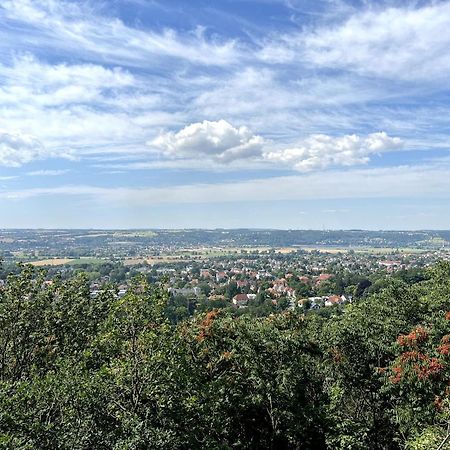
(47, 172)
(96, 108)
(81, 108)
(29, 81)
(204, 143)
(431, 181)
(78, 26)
(405, 43)
(194, 164)
(321, 151)
(219, 140)
(17, 148)
(26, 69)
(279, 103)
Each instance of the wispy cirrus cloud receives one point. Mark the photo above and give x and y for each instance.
(78, 108)
(47, 172)
(83, 28)
(29, 81)
(403, 43)
(393, 182)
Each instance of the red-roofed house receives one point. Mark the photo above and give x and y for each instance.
(240, 300)
(334, 300)
(324, 277)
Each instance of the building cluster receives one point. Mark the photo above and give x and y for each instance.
(295, 279)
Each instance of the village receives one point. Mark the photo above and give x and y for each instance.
(257, 278)
(274, 281)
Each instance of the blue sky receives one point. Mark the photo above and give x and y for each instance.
(225, 113)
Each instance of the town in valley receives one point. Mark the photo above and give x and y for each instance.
(257, 272)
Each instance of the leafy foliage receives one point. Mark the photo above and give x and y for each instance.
(78, 372)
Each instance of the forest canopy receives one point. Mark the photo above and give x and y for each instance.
(78, 372)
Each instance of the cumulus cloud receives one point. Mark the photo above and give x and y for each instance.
(218, 140)
(320, 151)
(221, 142)
(17, 149)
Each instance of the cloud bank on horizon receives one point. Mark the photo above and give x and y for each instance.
(230, 102)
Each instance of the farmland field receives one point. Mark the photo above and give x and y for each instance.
(66, 261)
(51, 262)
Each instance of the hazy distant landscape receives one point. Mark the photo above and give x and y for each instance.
(66, 246)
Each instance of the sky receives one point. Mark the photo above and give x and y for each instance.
(299, 114)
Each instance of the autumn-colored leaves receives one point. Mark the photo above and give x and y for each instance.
(206, 324)
(420, 360)
(415, 337)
